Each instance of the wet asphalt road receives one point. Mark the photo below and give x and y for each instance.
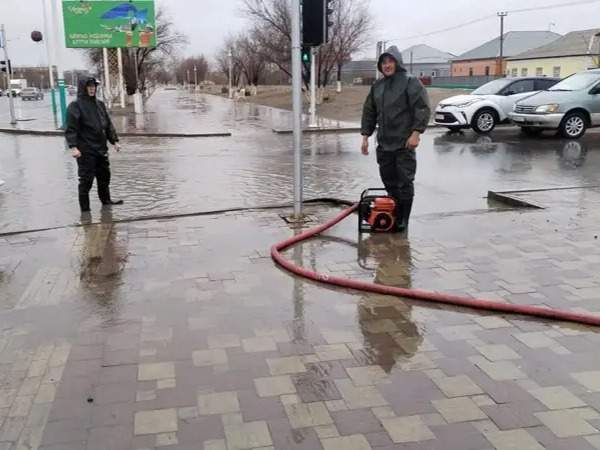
(254, 166)
(141, 334)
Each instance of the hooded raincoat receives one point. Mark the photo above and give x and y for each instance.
(396, 106)
(89, 129)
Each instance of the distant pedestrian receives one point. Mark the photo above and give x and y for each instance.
(89, 130)
(398, 106)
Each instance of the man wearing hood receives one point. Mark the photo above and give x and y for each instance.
(398, 106)
(89, 129)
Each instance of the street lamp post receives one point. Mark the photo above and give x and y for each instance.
(11, 105)
(61, 76)
(195, 78)
(50, 54)
(230, 56)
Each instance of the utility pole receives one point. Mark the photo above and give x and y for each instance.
(377, 53)
(297, 103)
(502, 15)
(313, 87)
(230, 56)
(121, 79)
(107, 94)
(58, 33)
(340, 63)
(50, 53)
(11, 104)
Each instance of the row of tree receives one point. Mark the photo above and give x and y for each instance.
(260, 54)
(266, 44)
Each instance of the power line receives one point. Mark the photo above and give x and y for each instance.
(490, 16)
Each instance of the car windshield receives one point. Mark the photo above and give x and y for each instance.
(493, 87)
(576, 82)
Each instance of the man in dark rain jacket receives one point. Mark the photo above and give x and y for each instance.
(89, 129)
(398, 106)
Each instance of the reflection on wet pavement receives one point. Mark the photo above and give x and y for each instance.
(184, 331)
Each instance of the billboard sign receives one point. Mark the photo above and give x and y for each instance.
(109, 23)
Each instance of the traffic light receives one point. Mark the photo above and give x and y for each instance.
(305, 54)
(5, 66)
(317, 21)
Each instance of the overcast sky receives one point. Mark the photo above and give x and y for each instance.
(207, 22)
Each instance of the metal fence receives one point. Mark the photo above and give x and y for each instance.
(462, 82)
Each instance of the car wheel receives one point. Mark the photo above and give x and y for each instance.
(573, 126)
(484, 121)
(531, 131)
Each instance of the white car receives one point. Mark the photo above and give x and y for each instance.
(488, 105)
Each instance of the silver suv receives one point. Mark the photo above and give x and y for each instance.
(571, 107)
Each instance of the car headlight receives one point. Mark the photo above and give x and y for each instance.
(468, 103)
(547, 109)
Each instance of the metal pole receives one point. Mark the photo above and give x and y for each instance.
(121, 79)
(11, 104)
(107, 95)
(313, 87)
(61, 75)
(49, 54)
(502, 15)
(411, 62)
(377, 53)
(230, 55)
(297, 102)
(195, 78)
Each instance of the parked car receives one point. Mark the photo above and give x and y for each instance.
(32, 93)
(571, 107)
(489, 105)
(1, 92)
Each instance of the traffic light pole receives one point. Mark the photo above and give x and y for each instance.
(313, 87)
(11, 105)
(297, 103)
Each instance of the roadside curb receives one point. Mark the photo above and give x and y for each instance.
(334, 129)
(127, 134)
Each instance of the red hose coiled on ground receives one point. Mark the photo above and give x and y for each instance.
(437, 297)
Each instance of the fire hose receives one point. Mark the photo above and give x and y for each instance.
(417, 294)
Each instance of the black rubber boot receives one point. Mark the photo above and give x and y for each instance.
(84, 203)
(403, 210)
(400, 227)
(406, 210)
(113, 202)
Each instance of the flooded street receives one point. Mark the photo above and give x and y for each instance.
(254, 167)
(181, 333)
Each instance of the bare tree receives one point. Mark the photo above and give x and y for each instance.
(251, 62)
(271, 33)
(151, 62)
(222, 59)
(191, 68)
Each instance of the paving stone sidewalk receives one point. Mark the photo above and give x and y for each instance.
(183, 335)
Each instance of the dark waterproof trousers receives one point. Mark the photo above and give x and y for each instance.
(397, 170)
(90, 166)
